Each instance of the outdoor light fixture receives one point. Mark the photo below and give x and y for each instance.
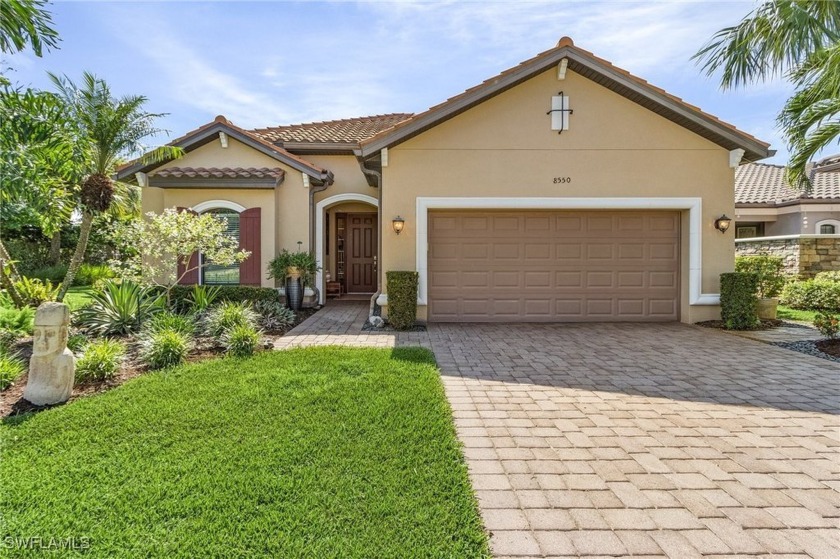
(722, 223)
(560, 112)
(398, 223)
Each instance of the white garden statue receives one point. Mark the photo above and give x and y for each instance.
(52, 366)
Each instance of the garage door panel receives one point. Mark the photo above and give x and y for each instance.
(554, 266)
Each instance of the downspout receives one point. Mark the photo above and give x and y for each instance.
(377, 176)
(328, 180)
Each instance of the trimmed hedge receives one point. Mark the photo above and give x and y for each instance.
(235, 293)
(769, 271)
(833, 275)
(402, 299)
(812, 295)
(738, 300)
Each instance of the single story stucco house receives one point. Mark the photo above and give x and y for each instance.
(563, 189)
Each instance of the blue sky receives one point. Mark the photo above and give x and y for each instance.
(269, 63)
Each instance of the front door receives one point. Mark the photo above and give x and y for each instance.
(361, 254)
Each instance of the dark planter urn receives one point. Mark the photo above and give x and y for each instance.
(294, 293)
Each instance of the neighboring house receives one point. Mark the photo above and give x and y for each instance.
(767, 206)
(773, 218)
(563, 189)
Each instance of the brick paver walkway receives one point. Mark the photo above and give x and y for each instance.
(657, 440)
(628, 439)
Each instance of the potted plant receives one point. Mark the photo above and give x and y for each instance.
(296, 270)
(771, 279)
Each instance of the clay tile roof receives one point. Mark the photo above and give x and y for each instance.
(762, 183)
(347, 130)
(219, 173)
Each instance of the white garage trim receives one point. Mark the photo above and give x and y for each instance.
(319, 231)
(693, 205)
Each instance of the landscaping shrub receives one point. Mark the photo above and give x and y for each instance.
(828, 324)
(10, 369)
(170, 321)
(33, 291)
(229, 315)
(240, 340)
(164, 348)
(100, 361)
(812, 295)
(273, 315)
(77, 342)
(833, 275)
(17, 320)
(203, 297)
(402, 299)
(738, 300)
(90, 274)
(7, 341)
(121, 308)
(181, 296)
(769, 272)
(54, 274)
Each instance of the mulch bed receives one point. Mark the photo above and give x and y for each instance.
(12, 402)
(830, 347)
(766, 324)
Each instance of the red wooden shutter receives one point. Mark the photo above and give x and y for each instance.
(191, 277)
(250, 272)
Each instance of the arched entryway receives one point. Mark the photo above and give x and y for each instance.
(354, 249)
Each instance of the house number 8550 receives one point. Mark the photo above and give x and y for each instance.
(562, 180)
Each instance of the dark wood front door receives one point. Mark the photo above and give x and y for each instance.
(361, 253)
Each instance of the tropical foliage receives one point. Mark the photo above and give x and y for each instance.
(25, 23)
(100, 361)
(796, 39)
(120, 308)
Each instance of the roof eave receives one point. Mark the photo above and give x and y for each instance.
(578, 61)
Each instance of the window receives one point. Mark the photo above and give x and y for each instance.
(749, 230)
(827, 227)
(213, 274)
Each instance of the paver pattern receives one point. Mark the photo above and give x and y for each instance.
(650, 440)
(654, 440)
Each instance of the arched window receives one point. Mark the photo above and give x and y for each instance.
(828, 227)
(214, 274)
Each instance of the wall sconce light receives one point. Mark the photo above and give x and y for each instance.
(722, 223)
(398, 223)
(560, 112)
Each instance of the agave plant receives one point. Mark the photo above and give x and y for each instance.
(203, 297)
(120, 308)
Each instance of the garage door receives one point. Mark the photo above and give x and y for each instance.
(558, 266)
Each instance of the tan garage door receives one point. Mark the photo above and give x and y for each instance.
(558, 266)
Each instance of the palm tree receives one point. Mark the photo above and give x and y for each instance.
(108, 129)
(26, 23)
(797, 39)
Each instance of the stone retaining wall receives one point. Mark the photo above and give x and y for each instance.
(803, 255)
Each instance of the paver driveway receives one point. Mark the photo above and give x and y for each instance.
(660, 440)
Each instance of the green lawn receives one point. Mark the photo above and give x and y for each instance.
(787, 313)
(78, 296)
(320, 452)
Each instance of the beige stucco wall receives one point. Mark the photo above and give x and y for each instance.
(504, 147)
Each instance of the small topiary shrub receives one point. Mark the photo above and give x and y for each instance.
(241, 340)
(738, 300)
(229, 315)
(828, 324)
(274, 315)
(101, 360)
(402, 299)
(170, 321)
(833, 275)
(769, 272)
(10, 370)
(17, 320)
(812, 295)
(164, 348)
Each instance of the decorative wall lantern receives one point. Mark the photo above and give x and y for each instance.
(722, 223)
(398, 223)
(560, 112)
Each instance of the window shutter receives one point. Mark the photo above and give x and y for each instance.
(191, 277)
(249, 239)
